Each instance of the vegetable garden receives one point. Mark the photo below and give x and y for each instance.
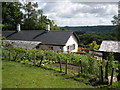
(86, 65)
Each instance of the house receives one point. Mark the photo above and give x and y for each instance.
(65, 41)
(110, 46)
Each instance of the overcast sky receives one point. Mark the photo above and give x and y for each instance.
(79, 14)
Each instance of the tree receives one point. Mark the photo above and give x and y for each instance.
(115, 20)
(117, 29)
(26, 14)
(94, 46)
(30, 16)
(11, 15)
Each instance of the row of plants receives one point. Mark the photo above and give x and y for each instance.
(34, 56)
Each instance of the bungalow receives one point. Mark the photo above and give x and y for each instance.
(65, 41)
(110, 46)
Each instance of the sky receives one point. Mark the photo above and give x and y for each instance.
(70, 13)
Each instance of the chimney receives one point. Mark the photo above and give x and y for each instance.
(18, 27)
(47, 27)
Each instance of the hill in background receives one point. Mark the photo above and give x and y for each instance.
(90, 29)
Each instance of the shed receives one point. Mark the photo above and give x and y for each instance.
(110, 46)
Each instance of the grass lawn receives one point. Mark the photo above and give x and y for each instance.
(16, 75)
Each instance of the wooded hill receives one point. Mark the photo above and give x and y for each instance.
(91, 29)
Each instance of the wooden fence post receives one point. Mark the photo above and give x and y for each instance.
(66, 67)
(41, 60)
(16, 56)
(60, 65)
(112, 76)
(9, 55)
(34, 59)
(79, 68)
(101, 74)
(106, 72)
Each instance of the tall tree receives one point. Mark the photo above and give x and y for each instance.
(26, 14)
(30, 16)
(11, 15)
(117, 29)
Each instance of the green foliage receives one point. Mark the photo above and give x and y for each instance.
(94, 46)
(115, 20)
(32, 19)
(117, 32)
(87, 38)
(115, 85)
(90, 65)
(90, 29)
(111, 62)
(117, 28)
(11, 15)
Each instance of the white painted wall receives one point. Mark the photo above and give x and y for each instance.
(72, 40)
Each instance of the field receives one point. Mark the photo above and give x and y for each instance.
(16, 75)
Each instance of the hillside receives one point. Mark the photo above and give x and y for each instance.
(16, 75)
(91, 29)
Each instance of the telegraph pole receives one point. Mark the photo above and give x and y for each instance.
(118, 76)
(119, 13)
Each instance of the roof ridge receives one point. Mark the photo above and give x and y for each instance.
(42, 30)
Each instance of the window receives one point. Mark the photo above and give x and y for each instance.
(50, 48)
(71, 47)
(68, 48)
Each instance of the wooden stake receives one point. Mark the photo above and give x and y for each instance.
(15, 56)
(79, 68)
(101, 74)
(66, 67)
(112, 76)
(41, 60)
(106, 72)
(34, 59)
(60, 65)
(9, 55)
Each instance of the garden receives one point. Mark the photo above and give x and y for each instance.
(82, 68)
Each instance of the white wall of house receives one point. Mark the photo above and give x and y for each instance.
(71, 41)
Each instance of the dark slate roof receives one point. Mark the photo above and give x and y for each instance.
(110, 46)
(52, 37)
